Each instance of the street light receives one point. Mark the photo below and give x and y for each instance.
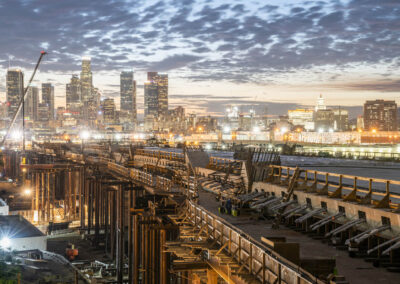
(5, 242)
(84, 136)
(27, 191)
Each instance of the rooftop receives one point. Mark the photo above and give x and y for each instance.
(16, 226)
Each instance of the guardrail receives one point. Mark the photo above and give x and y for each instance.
(141, 176)
(267, 266)
(380, 192)
(173, 156)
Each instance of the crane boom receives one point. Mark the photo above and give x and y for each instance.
(42, 53)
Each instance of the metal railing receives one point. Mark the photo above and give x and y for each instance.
(348, 187)
(265, 265)
(173, 156)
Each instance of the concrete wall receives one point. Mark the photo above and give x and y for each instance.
(374, 215)
(4, 210)
(29, 243)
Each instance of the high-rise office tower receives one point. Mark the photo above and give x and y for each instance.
(150, 99)
(73, 91)
(74, 96)
(14, 90)
(156, 94)
(48, 98)
(128, 94)
(162, 86)
(109, 112)
(151, 76)
(32, 103)
(86, 79)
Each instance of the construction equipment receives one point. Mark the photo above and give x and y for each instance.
(286, 198)
(20, 105)
(71, 252)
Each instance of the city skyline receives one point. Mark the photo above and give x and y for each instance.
(285, 53)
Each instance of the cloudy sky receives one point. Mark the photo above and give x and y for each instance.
(274, 53)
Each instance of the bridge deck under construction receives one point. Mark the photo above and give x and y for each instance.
(356, 270)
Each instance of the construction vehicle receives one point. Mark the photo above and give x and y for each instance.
(71, 252)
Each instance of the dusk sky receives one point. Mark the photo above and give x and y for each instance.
(275, 53)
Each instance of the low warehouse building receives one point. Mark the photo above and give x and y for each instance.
(16, 233)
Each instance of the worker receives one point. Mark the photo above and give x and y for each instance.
(228, 206)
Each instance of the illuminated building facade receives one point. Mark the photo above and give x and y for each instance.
(302, 117)
(341, 119)
(109, 111)
(150, 99)
(380, 115)
(48, 98)
(86, 79)
(162, 89)
(128, 95)
(73, 94)
(14, 90)
(324, 120)
(156, 95)
(32, 103)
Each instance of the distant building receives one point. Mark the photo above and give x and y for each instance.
(109, 111)
(128, 95)
(73, 95)
(324, 120)
(177, 119)
(380, 115)
(340, 119)
(320, 104)
(43, 113)
(360, 122)
(48, 98)
(302, 117)
(14, 90)
(60, 113)
(86, 79)
(151, 76)
(32, 103)
(150, 99)
(162, 89)
(156, 95)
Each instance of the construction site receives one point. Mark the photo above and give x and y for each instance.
(129, 214)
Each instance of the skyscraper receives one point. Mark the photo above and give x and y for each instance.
(150, 99)
(48, 98)
(128, 94)
(14, 90)
(74, 96)
(109, 113)
(32, 103)
(86, 79)
(73, 91)
(156, 95)
(151, 76)
(162, 86)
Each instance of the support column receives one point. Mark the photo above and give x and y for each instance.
(120, 235)
(130, 235)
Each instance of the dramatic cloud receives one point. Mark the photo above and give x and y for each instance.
(244, 42)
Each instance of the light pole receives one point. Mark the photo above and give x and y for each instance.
(84, 135)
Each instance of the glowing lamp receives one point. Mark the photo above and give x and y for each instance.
(84, 134)
(5, 242)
